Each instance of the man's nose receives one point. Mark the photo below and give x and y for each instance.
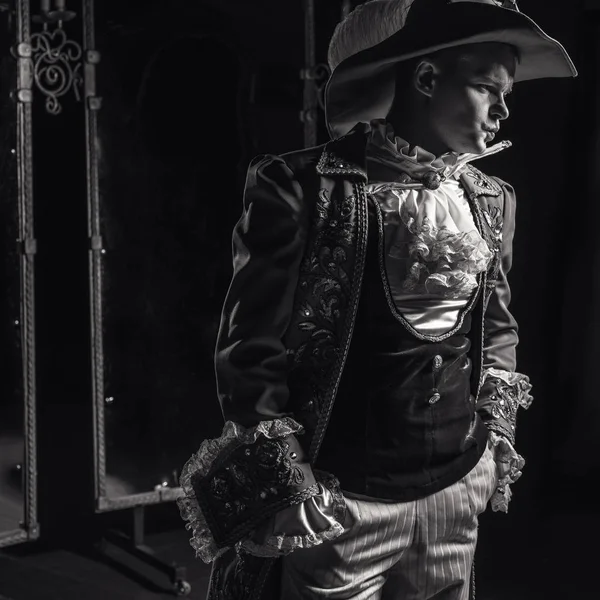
(500, 110)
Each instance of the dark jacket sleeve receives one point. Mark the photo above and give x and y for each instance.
(257, 466)
(503, 390)
(268, 244)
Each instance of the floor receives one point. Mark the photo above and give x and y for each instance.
(11, 497)
(560, 564)
(60, 574)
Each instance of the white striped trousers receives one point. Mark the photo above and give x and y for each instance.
(418, 550)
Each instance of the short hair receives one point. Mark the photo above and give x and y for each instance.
(452, 56)
(445, 58)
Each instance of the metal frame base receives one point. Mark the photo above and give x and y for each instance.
(135, 546)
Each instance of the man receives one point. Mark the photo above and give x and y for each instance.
(366, 357)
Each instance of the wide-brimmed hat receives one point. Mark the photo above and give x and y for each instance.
(367, 46)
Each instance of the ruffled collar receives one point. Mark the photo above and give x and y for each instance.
(386, 148)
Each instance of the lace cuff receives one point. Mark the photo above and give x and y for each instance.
(240, 479)
(508, 468)
(501, 394)
(305, 525)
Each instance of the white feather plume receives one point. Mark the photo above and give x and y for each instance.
(367, 25)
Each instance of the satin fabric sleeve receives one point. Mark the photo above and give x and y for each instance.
(501, 329)
(268, 245)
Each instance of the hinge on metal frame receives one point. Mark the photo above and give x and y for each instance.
(96, 242)
(92, 58)
(22, 52)
(28, 246)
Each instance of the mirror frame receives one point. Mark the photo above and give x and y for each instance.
(19, 13)
(102, 502)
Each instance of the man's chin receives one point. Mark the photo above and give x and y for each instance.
(476, 146)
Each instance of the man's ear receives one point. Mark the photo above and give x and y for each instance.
(425, 77)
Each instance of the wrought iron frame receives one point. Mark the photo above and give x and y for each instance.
(314, 76)
(22, 52)
(92, 104)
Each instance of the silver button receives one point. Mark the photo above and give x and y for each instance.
(434, 398)
(437, 361)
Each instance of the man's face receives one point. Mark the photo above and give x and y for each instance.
(467, 98)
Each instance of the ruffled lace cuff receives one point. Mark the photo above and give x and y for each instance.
(502, 393)
(305, 525)
(509, 465)
(238, 480)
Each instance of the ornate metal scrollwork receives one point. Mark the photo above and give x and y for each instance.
(56, 59)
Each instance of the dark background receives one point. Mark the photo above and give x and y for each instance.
(224, 86)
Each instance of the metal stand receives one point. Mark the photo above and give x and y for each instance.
(136, 548)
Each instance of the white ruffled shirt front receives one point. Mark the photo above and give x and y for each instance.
(432, 252)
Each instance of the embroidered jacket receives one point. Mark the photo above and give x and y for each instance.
(299, 254)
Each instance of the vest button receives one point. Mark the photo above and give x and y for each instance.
(434, 398)
(437, 361)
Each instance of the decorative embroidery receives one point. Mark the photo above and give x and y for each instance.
(325, 287)
(250, 480)
(495, 225)
(331, 164)
(212, 455)
(509, 390)
(486, 186)
(493, 218)
(490, 222)
(262, 469)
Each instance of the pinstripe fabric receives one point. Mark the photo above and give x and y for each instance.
(419, 550)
